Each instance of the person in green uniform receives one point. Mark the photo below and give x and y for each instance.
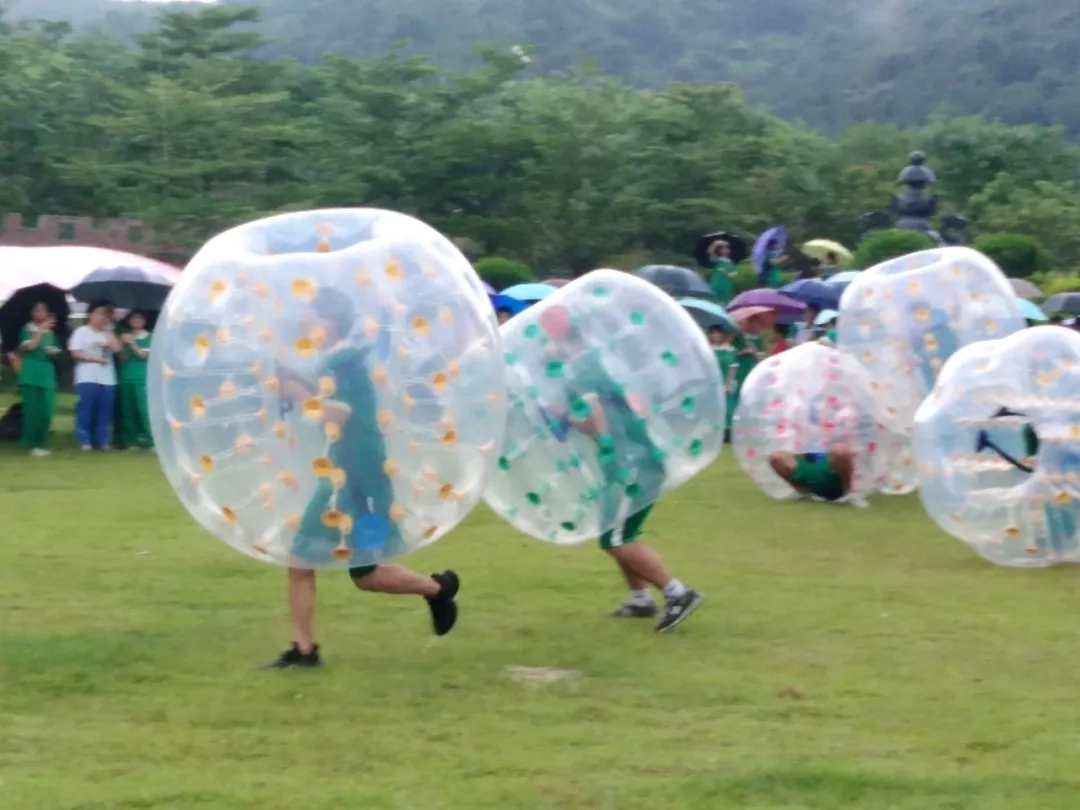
(633, 476)
(723, 275)
(824, 475)
(358, 510)
(773, 270)
(119, 432)
(38, 347)
(721, 343)
(135, 416)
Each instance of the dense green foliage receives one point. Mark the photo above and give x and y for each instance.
(1018, 255)
(502, 273)
(188, 130)
(828, 62)
(880, 246)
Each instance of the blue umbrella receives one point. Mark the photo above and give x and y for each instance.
(842, 279)
(814, 293)
(674, 280)
(761, 246)
(529, 292)
(499, 301)
(707, 314)
(826, 316)
(1031, 311)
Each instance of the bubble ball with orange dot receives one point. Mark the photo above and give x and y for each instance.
(326, 388)
(614, 399)
(813, 399)
(904, 318)
(997, 444)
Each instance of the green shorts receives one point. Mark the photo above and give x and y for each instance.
(361, 571)
(818, 478)
(626, 532)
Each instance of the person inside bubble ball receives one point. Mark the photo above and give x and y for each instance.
(615, 420)
(368, 493)
(827, 475)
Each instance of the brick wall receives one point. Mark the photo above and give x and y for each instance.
(128, 235)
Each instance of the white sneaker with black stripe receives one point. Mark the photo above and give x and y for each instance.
(677, 610)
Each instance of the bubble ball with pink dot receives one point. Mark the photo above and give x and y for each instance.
(998, 448)
(812, 399)
(904, 318)
(326, 388)
(614, 398)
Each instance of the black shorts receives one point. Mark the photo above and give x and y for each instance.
(362, 571)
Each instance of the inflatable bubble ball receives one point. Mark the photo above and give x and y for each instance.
(904, 318)
(997, 445)
(809, 405)
(326, 388)
(614, 398)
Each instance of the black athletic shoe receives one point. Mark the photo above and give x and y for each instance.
(634, 610)
(678, 609)
(292, 658)
(442, 605)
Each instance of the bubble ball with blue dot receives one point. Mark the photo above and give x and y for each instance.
(997, 444)
(614, 398)
(326, 387)
(904, 318)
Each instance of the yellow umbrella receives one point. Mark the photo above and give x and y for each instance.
(821, 248)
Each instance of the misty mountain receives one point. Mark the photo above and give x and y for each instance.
(827, 62)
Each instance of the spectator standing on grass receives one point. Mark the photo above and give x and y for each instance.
(37, 378)
(92, 347)
(723, 275)
(133, 361)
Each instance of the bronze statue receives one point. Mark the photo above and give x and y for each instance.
(915, 205)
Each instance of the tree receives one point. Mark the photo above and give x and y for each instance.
(1018, 255)
(880, 246)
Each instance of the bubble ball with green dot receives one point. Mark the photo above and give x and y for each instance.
(614, 399)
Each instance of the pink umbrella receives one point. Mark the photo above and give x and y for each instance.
(557, 282)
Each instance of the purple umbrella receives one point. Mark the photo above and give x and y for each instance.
(488, 288)
(767, 298)
(761, 246)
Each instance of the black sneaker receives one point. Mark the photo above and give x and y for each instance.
(292, 658)
(634, 610)
(678, 609)
(442, 605)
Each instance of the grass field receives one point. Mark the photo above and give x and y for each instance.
(843, 659)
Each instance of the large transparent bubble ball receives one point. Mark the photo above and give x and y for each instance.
(998, 448)
(326, 388)
(614, 399)
(904, 318)
(815, 399)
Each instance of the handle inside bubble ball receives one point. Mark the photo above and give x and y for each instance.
(984, 442)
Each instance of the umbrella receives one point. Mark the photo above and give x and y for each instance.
(506, 302)
(826, 316)
(529, 292)
(704, 256)
(1025, 289)
(1062, 304)
(771, 299)
(755, 319)
(1031, 311)
(128, 287)
(761, 246)
(557, 282)
(707, 314)
(488, 288)
(842, 279)
(814, 293)
(821, 248)
(16, 312)
(674, 280)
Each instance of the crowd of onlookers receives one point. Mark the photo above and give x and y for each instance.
(109, 357)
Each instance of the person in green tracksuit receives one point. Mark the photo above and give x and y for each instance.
(352, 511)
(723, 275)
(38, 347)
(726, 359)
(773, 271)
(134, 414)
(633, 473)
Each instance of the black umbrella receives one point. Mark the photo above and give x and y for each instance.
(15, 313)
(680, 282)
(705, 258)
(1062, 304)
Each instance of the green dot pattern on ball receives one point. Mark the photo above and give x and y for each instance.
(601, 292)
(511, 358)
(689, 406)
(532, 331)
(504, 463)
(533, 498)
(555, 370)
(568, 525)
(670, 359)
(696, 446)
(636, 318)
(581, 409)
(632, 491)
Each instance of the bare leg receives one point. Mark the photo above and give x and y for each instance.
(397, 579)
(641, 562)
(302, 608)
(633, 581)
(842, 460)
(783, 464)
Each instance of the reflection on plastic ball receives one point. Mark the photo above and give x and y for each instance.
(614, 399)
(998, 448)
(814, 399)
(903, 319)
(300, 415)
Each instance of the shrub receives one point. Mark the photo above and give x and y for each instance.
(1018, 255)
(880, 246)
(501, 273)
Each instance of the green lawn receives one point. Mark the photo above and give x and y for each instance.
(843, 659)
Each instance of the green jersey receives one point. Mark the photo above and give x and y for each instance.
(37, 368)
(722, 280)
(133, 367)
(774, 276)
(746, 362)
(725, 359)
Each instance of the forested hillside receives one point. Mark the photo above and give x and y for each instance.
(827, 62)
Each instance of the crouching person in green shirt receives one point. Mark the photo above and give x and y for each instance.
(37, 378)
(135, 417)
(827, 476)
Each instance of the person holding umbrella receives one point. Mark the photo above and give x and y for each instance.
(93, 346)
(723, 275)
(772, 269)
(135, 414)
(37, 378)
